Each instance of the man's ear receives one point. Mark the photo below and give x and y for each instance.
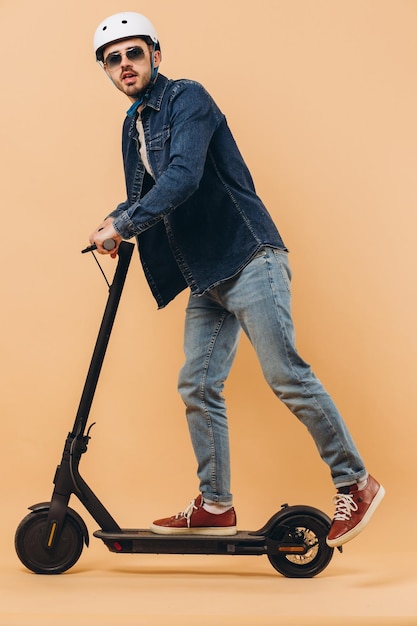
(157, 58)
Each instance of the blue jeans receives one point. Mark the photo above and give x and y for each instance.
(258, 301)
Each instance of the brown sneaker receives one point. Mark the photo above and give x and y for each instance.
(354, 509)
(196, 521)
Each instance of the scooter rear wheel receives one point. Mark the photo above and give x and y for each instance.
(32, 553)
(307, 530)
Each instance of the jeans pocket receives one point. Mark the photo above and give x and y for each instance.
(281, 257)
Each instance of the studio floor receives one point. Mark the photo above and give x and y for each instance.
(363, 586)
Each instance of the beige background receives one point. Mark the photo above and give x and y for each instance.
(322, 98)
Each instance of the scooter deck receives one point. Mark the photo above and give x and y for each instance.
(147, 542)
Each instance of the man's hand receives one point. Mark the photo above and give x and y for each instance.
(106, 231)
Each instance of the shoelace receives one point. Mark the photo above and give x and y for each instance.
(187, 512)
(345, 506)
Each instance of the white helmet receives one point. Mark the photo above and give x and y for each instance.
(123, 26)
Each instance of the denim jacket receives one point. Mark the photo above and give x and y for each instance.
(201, 221)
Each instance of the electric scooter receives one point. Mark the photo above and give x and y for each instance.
(50, 539)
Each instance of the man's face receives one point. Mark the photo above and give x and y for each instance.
(130, 75)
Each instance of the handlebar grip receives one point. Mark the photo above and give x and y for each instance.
(108, 244)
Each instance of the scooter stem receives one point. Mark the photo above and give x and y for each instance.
(67, 479)
(124, 256)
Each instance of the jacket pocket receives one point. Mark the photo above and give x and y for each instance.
(159, 141)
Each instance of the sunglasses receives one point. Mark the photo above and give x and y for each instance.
(114, 59)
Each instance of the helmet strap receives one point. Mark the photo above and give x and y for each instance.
(154, 70)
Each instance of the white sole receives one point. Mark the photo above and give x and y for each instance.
(351, 534)
(209, 530)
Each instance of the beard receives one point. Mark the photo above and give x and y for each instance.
(132, 84)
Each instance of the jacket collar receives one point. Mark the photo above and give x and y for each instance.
(153, 97)
(157, 93)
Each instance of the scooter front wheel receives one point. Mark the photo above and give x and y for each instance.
(30, 548)
(307, 531)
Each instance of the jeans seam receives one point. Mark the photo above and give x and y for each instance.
(287, 342)
(213, 479)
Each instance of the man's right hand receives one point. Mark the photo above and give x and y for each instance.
(106, 231)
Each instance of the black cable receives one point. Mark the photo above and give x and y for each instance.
(101, 269)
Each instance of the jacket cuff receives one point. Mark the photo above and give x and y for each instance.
(124, 226)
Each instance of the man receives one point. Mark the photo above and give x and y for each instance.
(199, 223)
